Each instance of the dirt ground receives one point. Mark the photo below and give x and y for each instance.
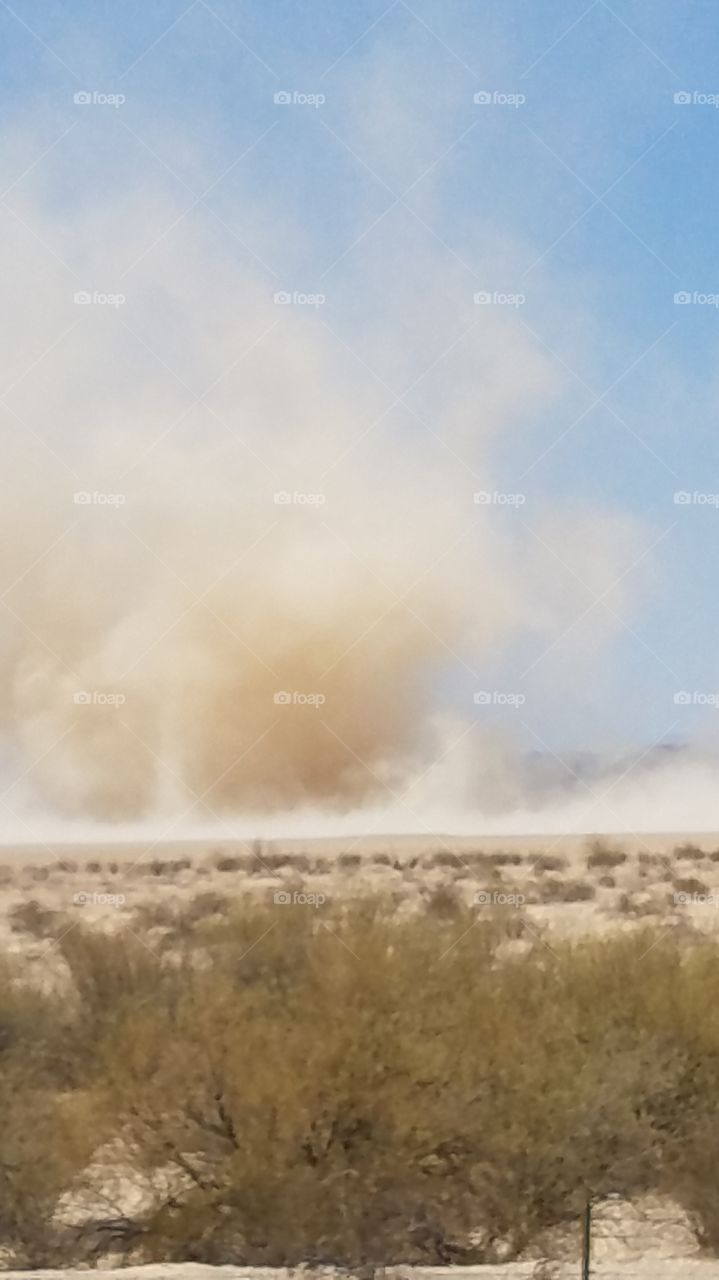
(570, 886)
(651, 1270)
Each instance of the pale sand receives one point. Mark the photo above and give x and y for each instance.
(651, 1270)
(558, 881)
(570, 844)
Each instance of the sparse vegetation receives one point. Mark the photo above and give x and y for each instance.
(444, 901)
(549, 862)
(392, 1081)
(601, 855)
(555, 890)
(691, 885)
(31, 917)
(227, 863)
(689, 853)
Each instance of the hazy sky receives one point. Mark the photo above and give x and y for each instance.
(399, 160)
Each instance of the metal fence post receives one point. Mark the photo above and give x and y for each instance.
(587, 1241)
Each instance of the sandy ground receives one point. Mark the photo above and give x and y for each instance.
(651, 1270)
(389, 842)
(568, 885)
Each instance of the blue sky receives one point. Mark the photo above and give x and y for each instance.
(594, 199)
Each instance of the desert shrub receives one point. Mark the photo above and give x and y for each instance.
(506, 859)
(349, 861)
(442, 858)
(110, 975)
(444, 901)
(555, 890)
(206, 904)
(307, 1067)
(276, 861)
(577, 891)
(155, 915)
(43, 1145)
(690, 885)
(227, 862)
(356, 1086)
(44, 1141)
(182, 864)
(600, 855)
(688, 853)
(31, 917)
(548, 862)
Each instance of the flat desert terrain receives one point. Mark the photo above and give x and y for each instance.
(649, 1270)
(571, 885)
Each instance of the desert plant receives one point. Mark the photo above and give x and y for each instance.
(601, 855)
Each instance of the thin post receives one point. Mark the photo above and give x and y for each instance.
(587, 1241)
